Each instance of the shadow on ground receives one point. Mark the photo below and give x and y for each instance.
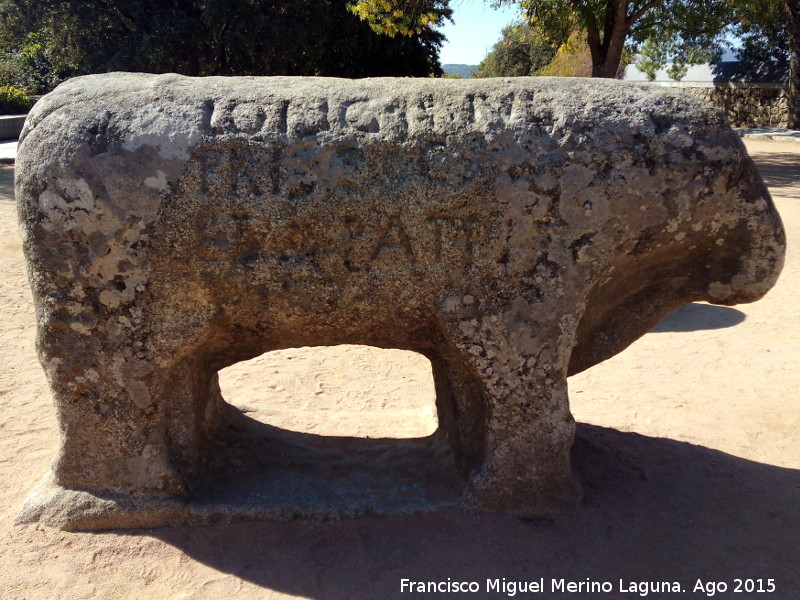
(7, 182)
(655, 509)
(698, 317)
(779, 169)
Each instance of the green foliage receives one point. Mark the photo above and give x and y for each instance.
(554, 19)
(683, 33)
(651, 59)
(655, 53)
(763, 27)
(521, 51)
(770, 29)
(14, 101)
(9, 71)
(210, 37)
(688, 31)
(35, 69)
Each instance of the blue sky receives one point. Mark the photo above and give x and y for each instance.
(476, 29)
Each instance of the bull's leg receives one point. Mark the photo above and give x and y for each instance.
(110, 409)
(194, 415)
(461, 407)
(526, 430)
(526, 464)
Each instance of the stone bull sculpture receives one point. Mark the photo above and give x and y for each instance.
(512, 231)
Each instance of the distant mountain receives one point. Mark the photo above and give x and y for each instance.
(464, 70)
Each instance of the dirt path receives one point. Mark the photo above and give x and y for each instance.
(689, 442)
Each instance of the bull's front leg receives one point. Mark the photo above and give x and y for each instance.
(525, 435)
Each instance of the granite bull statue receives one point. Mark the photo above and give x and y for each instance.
(512, 231)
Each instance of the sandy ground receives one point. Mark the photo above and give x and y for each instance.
(689, 445)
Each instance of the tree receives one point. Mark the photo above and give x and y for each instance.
(768, 30)
(791, 12)
(610, 24)
(771, 29)
(214, 37)
(656, 52)
(521, 51)
(32, 67)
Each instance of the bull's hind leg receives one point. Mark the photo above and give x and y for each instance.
(524, 430)
(110, 408)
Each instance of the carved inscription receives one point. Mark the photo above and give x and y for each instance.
(304, 176)
(394, 236)
(347, 244)
(484, 113)
(455, 239)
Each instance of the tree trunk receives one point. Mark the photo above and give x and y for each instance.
(607, 54)
(595, 48)
(614, 50)
(791, 9)
(598, 59)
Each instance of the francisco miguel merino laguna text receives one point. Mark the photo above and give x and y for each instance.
(512, 588)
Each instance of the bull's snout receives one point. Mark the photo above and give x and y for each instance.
(750, 253)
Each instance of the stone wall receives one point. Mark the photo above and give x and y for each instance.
(746, 105)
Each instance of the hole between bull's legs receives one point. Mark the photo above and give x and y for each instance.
(274, 464)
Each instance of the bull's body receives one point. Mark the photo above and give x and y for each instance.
(511, 231)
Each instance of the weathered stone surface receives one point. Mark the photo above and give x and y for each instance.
(512, 231)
